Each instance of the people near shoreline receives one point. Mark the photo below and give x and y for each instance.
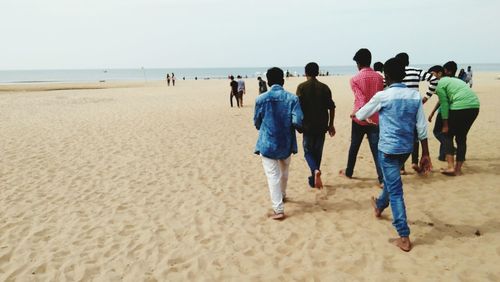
(468, 78)
(364, 85)
(241, 91)
(412, 79)
(234, 91)
(379, 68)
(459, 110)
(319, 113)
(262, 85)
(173, 79)
(277, 115)
(400, 112)
(168, 79)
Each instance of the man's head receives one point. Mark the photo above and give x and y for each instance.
(259, 78)
(378, 66)
(363, 58)
(394, 71)
(312, 69)
(450, 68)
(468, 68)
(436, 71)
(239, 76)
(403, 57)
(275, 76)
(231, 77)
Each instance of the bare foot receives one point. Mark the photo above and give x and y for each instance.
(416, 168)
(381, 185)
(448, 171)
(277, 216)
(342, 173)
(402, 242)
(317, 180)
(377, 211)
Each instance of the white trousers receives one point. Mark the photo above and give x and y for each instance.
(277, 177)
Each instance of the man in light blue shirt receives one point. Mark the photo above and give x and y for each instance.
(277, 115)
(400, 112)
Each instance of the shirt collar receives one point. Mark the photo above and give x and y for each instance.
(365, 69)
(276, 87)
(397, 84)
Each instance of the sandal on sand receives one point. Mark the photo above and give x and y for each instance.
(277, 216)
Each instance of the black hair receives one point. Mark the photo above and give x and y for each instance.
(312, 69)
(404, 58)
(231, 77)
(394, 69)
(239, 76)
(436, 68)
(363, 57)
(451, 67)
(378, 66)
(275, 76)
(259, 78)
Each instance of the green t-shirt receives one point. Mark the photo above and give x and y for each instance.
(455, 94)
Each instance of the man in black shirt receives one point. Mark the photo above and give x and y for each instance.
(262, 85)
(234, 89)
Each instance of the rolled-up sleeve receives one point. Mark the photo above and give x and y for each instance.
(297, 115)
(369, 108)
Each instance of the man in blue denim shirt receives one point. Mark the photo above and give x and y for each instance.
(277, 115)
(401, 111)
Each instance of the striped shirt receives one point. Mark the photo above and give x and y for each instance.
(415, 75)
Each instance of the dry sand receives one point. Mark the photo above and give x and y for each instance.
(142, 182)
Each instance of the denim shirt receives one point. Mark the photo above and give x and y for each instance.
(277, 115)
(400, 110)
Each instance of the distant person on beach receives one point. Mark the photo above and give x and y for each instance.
(262, 85)
(277, 115)
(412, 79)
(462, 75)
(168, 79)
(459, 110)
(468, 78)
(234, 91)
(364, 85)
(379, 68)
(241, 91)
(173, 79)
(400, 111)
(319, 113)
(438, 71)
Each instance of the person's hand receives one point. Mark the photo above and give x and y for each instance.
(331, 131)
(424, 100)
(430, 117)
(425, 164)
(445, 129)
(352, 115)
(369, 121)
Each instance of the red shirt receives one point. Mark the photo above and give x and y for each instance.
(364, 85)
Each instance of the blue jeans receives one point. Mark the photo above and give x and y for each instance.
(393, 190)
(313, 152)
(357, 134)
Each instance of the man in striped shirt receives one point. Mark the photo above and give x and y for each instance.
(412, 80)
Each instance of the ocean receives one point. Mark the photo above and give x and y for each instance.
(155, 74)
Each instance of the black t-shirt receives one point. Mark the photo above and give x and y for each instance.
(262, 86)
(234, 86)
(315, 100)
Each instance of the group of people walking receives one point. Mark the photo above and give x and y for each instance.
(237, 90)
(387, 109)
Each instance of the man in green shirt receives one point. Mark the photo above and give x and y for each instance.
(459, 109)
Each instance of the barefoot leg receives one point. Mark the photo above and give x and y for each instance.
(376, 211)
(403, 243)
(317, 179)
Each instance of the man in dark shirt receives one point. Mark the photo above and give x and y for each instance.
(234, 89)
(319, 112)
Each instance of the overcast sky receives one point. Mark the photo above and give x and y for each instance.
(69, 34)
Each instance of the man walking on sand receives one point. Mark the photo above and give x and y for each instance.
(319, 112)
(401, 111)
(241, 91)
(364, 85)
(277, 115)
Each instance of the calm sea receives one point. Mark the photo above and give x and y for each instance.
(144, 74)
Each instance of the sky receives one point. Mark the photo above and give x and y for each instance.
(94, 34)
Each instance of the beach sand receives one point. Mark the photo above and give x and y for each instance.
(144, 182)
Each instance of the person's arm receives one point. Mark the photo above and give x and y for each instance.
(297, 115)
(445, 106)
(373, 106)
(425, 160)
(257, 117)
(358, 94)
(433, 111)
(433, 81)
(331, 112)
